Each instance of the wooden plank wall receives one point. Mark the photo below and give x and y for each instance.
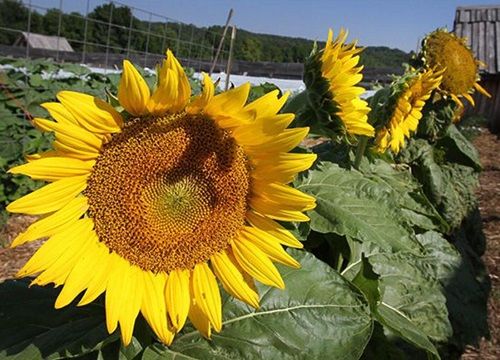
(481, 26)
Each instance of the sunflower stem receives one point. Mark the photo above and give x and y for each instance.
(360, 151)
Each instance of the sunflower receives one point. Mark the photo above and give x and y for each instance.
(339, 67)
(154, 204)
(416, 90)
(442, 50)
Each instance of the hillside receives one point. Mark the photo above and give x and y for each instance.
(187, 40)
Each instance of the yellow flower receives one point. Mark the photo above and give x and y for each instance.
(153, 207)
(339, 66)
(442, 50)
(407, 110)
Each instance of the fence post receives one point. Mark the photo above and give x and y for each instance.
(59, 29)
(147, 38)
(130, 33)
(230, 57)
(109, 35)
(85, 32)
(28, 31)
(229, 16)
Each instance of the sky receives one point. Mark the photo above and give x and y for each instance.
(393, 23)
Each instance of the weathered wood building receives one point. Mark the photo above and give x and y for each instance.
(44, 42)
(481, 26)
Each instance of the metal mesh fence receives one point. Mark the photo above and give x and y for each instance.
(100, 35)
(105, 33)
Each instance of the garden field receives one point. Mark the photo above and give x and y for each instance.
(250, 223)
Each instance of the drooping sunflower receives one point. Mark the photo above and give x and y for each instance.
(331, 76)
(442, 50)
(415, 90)
(152, 205)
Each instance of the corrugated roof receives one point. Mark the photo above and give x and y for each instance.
(481, 26)
(39, 41)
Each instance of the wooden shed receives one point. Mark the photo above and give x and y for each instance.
(45, 42)
(481, 26)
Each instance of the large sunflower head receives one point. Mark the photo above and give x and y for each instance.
(403, 109)
(332, 75)
(152, 205)
(442, 50)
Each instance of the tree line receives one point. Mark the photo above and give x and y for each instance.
(130, 34)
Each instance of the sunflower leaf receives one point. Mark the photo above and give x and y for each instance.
(460, 150)
(351, 204)
(30, 327)
(318, 316)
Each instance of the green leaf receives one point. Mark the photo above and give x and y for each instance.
(367, 281)
(30, 327)
(352, 205)
(449, 186)
(406, 194)
(459, 149)
(398, 323)
(318, 316)
(394, 320)
(408, 285)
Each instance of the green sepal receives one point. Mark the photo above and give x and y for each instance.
(318, 107)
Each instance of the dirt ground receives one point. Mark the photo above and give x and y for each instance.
(489, 205)
(488, 145)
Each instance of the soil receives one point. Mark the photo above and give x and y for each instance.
(488, 193)
(488, 145)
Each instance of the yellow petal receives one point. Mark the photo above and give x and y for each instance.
(267, 105)
(177, 297)
(232, 279)
(184, 88)
(268, 245)
(132, 301)
(198, 103)
(256, 263)
(282, 167)
(49, 198)
(53, 168)
(45, 154)
(92, 113)
(83, 271)
(71, 135)
(165, 96)
(272, 228)
(206, 294)
(173, 90)
(72, 236)
(275, 210)
(284, 142)
(283, 194)
(100, 274)
(59, 113)
(198, 317)
(133, 92)
(74, 151)
(469, 98)
(123, 297)
(153, 305)
(58, 271)
(482, 90)
(227, 108)
(54, 223)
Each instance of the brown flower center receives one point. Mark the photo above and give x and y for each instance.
(167, 193)
(443, 50)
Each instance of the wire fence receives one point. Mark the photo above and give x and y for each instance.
(101, 35)
(105, 34)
